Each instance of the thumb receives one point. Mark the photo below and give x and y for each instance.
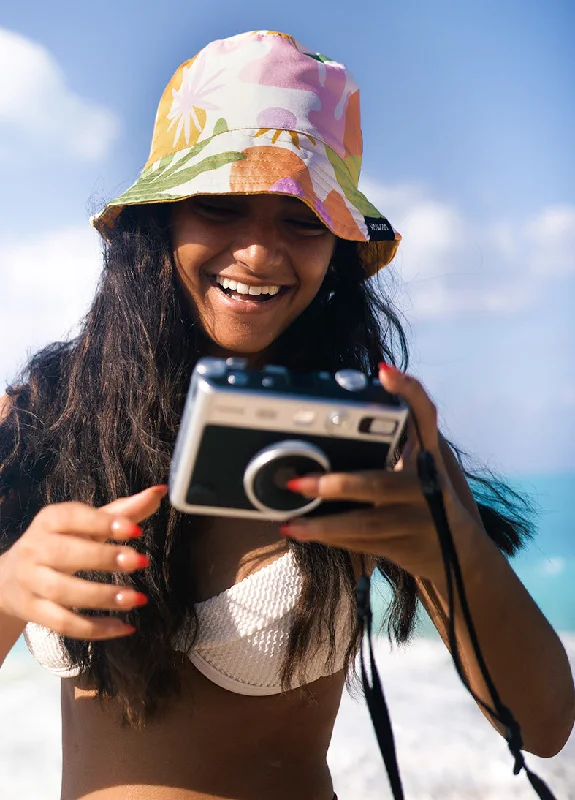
(139, 506)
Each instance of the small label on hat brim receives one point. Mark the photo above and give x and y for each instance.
(379, 229)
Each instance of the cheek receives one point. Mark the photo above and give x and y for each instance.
(315, 264)
(188, 260)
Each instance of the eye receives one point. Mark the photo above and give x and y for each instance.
(308, 226)
(215, 209)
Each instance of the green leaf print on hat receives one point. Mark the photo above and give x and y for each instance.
(152, 187)
(319, 57)
(355, 197)
(221, 126)
(271, 122)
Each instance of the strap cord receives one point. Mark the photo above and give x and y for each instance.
(377, 706)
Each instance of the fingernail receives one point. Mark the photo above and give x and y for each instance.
(161, 489)
(128, 598)
(117, 626)
(387, 368)
(292, 529)
(126, 528)
(128, 629)
(307, 485)
(124, 560)
(140, 599)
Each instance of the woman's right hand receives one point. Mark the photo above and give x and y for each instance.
(37, 580)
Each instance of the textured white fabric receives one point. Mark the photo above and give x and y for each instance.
(47, 649)
(242, 636)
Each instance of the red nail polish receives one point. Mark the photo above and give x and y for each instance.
(294, 484)
(142, 561)
(387, 367)
(285, 529)
(140, 599)
(134, 531)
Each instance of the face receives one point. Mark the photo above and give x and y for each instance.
(249, 264)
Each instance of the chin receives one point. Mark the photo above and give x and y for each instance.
(241, 349)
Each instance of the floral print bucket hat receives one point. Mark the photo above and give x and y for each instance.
(260, 113)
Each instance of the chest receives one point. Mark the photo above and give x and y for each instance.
(223, 551)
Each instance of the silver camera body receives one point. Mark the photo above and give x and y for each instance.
(245, 432)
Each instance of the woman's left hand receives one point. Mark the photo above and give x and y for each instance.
(398, 526)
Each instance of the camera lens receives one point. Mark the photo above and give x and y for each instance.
(269, 470)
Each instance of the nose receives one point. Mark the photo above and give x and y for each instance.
(258, 245)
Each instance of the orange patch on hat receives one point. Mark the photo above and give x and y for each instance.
(265, 166)
(341, 214)
(352, 140)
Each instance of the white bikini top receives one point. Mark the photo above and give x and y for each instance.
(242, 635)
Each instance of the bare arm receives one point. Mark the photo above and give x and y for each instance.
(10, 630)
(10, 627)
(38, 572)
(524, 655)
(518, 643)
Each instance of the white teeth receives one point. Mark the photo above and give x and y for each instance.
(244, 288)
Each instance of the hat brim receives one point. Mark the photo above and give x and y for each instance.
(250, 161)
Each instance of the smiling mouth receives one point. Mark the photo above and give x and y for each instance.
(243, 291)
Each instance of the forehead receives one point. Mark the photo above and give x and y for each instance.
(266, 199)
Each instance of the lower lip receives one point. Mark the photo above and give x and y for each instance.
(247, 306)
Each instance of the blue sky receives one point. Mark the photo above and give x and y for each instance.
(469, 120)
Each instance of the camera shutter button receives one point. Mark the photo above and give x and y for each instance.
(351, 379)
(211, 367)
(337, 421)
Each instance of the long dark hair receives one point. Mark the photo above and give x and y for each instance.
(95, 418)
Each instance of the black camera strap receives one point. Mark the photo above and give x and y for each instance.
(377, 706)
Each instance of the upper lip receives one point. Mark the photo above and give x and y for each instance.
(249, 281)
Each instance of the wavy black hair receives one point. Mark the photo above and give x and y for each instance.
(95, 418)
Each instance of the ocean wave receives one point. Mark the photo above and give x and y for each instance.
(446, 749)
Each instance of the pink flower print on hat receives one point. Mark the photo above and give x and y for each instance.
(258, 113)
(330, 118)
(279, 120)
(190, 103)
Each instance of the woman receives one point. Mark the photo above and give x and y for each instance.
(246, 236)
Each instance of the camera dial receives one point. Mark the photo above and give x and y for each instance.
(269, 470)
(211, 367)
(351, 379)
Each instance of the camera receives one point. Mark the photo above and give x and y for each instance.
(244, 433)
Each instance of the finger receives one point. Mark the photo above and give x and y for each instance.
(73, 592)
(372, 486)
(70, 554)
(371, 528)
(422, 408)
(80, 519)
(139, 506)
(69, 623)
(410, 449)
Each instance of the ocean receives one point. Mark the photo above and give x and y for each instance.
(446, 749)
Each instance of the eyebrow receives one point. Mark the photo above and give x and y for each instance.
(297, 202)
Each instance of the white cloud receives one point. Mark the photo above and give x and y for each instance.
(450, 265)
(39, 111)
(552, 236)
(553, 566)
(45, 288)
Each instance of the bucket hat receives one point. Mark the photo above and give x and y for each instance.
(261, 113)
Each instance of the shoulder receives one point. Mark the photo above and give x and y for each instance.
(6, 403)
(15, 397)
